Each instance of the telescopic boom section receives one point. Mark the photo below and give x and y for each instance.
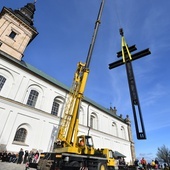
(69, 124)
(94, 34)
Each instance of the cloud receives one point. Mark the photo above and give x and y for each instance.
(154, 94)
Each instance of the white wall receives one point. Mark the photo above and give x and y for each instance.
(38, 121)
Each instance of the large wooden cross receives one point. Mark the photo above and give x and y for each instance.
(125, 53)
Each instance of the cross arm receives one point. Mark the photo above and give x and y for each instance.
(134, 57)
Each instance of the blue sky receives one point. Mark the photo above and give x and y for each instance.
(65, 30)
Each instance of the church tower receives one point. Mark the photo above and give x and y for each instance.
(17, 30)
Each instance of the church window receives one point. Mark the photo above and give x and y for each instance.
(122, 133)
(93, 121)
(82, 119)
(20, 135)
(92, 118)
(2, 81)
(114, 129)
(32, 98)
(55, 107)
(12, 34)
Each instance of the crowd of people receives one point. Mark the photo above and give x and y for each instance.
(20, 157)
(153, 165)
(141, 165)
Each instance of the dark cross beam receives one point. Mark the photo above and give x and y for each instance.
(132, 85)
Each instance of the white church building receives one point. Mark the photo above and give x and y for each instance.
(31, 102)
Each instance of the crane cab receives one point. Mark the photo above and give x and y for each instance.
(85, 144)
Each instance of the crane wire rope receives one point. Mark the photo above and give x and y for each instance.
(117, 13)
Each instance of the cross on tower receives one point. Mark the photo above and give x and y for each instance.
(125, 53)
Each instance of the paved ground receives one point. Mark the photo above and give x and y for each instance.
(12, 166)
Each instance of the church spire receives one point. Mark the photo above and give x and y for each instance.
(26, 13)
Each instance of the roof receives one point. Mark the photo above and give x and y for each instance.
(26, 13)
(118, 155)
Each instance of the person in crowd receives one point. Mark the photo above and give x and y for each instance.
(156, 164)
(143, 162)
(36, 156)
(20, 156)
(30, 157)
(136, 163)
(13, 158)
(149, 167)
(140, 167)
(166, 167)
(25, 157)
(153, 164)
(1, 155)
(122, 163)
(8, 156)
(4, 156)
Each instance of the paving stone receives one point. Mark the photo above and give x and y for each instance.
(12, 166)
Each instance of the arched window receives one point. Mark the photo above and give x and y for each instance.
(93, 121)
(82, 118)
(20, 135)
(123, 133)
(55, 107)
(7, 81)
(32, 98)
(2, 81)
(114, 128)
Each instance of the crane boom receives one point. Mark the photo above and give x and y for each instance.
(73, 151)
(91, 47)
(69, 124)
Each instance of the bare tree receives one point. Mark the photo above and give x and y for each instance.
(163, 154)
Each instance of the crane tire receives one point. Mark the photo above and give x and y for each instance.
(74, 164)
(102, 166)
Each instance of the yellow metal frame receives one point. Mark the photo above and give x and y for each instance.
(69, 124)
(125, 47)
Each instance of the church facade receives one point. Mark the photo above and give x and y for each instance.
(32, 103)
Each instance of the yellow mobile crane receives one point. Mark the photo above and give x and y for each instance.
(73, 152)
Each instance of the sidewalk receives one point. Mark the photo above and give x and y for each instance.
(12, 166)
